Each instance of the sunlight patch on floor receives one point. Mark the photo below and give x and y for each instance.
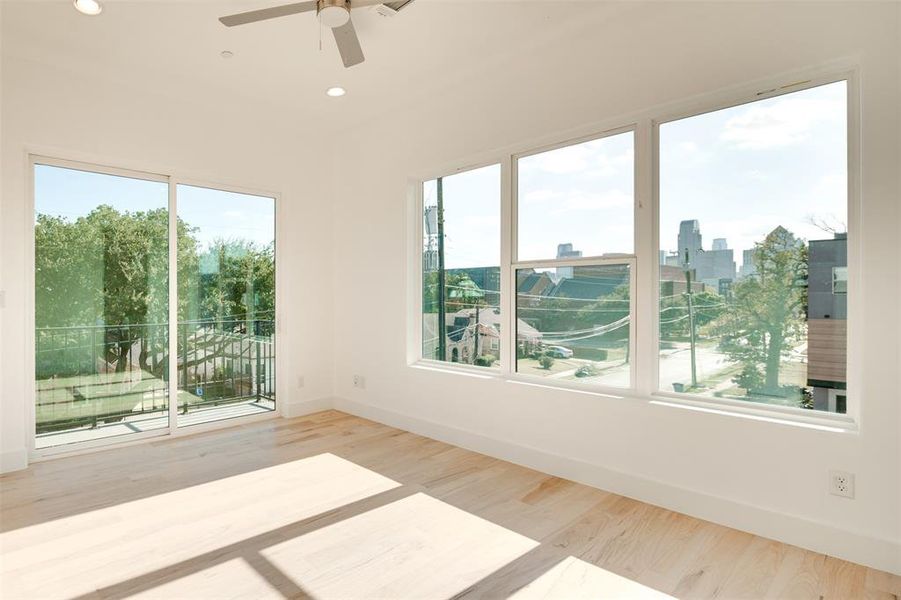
(575, 579)
(230, 579)
(80, 553)
(417, 547)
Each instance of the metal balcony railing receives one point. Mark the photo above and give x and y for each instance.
(88, 376)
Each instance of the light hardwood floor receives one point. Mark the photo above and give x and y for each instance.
(334, 506)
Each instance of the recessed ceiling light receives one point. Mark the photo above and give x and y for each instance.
(226, 54)
(336, 91)
(88, 7)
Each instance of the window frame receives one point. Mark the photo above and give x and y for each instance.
(644, 262)
(835, 280)
(732, 100)
(51, 157)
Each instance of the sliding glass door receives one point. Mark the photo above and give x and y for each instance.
(226, 305)
(100, 305)
(104, 348)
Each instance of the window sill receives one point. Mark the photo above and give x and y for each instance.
(819, 421)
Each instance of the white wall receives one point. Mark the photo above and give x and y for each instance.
(764, 477)
(83, 116)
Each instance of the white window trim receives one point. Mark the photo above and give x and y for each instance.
(644, 336)
(53, 157)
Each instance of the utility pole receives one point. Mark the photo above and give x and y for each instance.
(442, 315)
(691, 320)
(475, 354)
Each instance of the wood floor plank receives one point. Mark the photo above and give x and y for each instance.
(334, 506)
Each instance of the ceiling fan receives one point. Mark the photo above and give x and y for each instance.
(334, 14)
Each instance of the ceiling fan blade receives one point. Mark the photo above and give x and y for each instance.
(362, 3)
(268, 13)
(348, 44)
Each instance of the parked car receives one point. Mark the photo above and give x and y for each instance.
(559, 352)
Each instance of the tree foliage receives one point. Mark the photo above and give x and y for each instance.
(769, 311)
(110, 269)
(674, 321)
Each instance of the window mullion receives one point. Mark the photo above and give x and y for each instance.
(645, 301)
(508, 273)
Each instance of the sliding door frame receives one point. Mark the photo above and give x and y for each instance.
(38, 156)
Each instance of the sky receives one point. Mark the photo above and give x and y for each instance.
(472, 216)
(740, 172)
(71, 194)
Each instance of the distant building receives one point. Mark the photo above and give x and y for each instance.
(566, 251)
(672, 282)
(715, 264)
(748, 268)
(672, 260)
(689, 241)
(827, 314)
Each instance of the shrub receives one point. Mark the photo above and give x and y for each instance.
(486, 360)
(546, 361)
(587, 370)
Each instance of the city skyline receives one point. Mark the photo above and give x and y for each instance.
(741, 171)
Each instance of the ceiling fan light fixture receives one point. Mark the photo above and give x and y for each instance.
(334, 16)
(88, 7)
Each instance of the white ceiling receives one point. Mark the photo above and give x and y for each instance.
(173, 47)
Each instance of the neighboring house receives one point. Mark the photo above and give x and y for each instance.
(591, 282)
(461, 334)
(531, 285)
(827, 314)
(672, 282)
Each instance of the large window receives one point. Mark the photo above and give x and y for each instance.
(100, 305)
(575, 207)
(754, 249)
(725, 277)
(226, 308)
(461, 268)
(110, 358)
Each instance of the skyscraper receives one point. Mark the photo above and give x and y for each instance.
(566, 251)
(689, 241)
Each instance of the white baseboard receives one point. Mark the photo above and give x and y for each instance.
(13, 460)
(825, 538)
(306, 407)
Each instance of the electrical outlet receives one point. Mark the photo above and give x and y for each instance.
(359, 382)
(300, 381)
(841, 484)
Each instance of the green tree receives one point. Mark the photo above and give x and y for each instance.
(232, 284)
(674, 322)
(110, 269)
(769, 311)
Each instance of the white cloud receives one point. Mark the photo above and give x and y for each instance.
(588, 158)
(562, 161)
(587, 201)
(779, 123)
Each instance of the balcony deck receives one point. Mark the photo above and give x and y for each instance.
(155, 421)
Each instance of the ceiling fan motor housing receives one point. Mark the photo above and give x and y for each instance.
(334, 13)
